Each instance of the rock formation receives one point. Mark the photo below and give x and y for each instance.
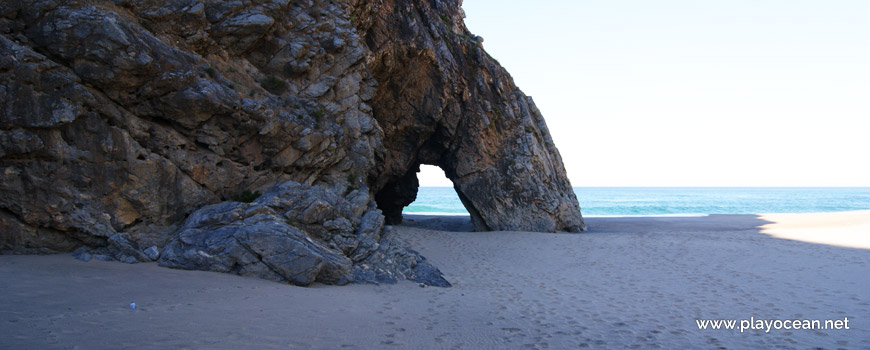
(442, 100)
(141, 130)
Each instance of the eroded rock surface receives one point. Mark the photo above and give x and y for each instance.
(442, 100)
(253, 240)
(130, 128)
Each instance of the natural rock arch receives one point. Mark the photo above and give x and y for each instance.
(442, 100)
(140, 130)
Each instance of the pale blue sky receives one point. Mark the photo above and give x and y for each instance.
(692, 93)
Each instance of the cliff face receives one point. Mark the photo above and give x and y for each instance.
(137, 129)
(442, 100)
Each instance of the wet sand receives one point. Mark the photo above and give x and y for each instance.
(627, 283)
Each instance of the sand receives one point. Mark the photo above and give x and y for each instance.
(847, 229)
(627, 283)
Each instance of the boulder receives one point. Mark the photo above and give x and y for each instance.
(283, 236)
(253, 240)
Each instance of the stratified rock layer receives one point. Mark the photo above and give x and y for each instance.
(135, 129)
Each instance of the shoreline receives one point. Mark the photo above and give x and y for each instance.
(675, 215)
(627, 282)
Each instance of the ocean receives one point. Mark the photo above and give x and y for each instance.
(678, 201)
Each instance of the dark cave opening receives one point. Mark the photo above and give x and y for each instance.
(396, 194)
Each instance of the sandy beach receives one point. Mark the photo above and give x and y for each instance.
(626, 283)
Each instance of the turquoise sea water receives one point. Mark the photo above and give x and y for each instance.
(678, 201)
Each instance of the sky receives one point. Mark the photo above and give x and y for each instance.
(691, 93)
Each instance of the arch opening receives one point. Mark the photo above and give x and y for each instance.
(428, 197)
